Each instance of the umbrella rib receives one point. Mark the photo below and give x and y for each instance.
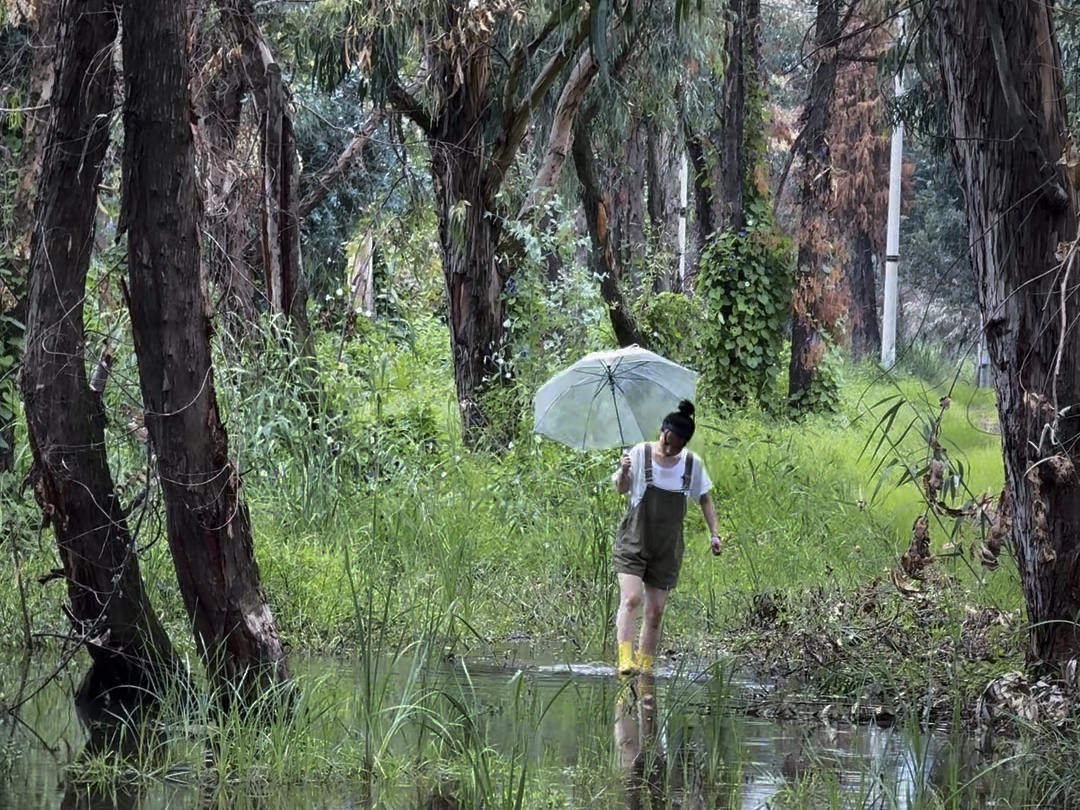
(596, 396)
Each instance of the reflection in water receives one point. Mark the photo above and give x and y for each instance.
(118, 723)
(641, 758)
(677, 743)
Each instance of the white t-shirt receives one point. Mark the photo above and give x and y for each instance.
(665, 477)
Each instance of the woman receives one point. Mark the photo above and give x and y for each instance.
(660, 477)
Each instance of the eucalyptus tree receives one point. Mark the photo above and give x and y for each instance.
(859, 149)
(109, 609)
(626, 150)
(207, 520)
(1001, 72)
(469, 76)
(815, 304)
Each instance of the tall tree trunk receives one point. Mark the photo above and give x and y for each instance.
(1001, 69)
(469, 236)
(721, 166)
(662, 202)
(468, 170)
(602, 256)
(863, 329)
(813, 303)
(465, 185)
(628, 221)
(219, 104)
(705, 220)
(71, 478)
(283, 267)
(208, 525)
(13, 277)
(729, 178)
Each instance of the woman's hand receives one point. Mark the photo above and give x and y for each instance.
(717, 546)
(622, 475)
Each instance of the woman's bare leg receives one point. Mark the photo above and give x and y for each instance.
(630, 590)
(655, 601)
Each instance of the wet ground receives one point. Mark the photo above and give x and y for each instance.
(588, 739)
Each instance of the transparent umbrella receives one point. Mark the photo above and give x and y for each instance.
(611, 399)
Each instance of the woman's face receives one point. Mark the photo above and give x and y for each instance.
(670, 444)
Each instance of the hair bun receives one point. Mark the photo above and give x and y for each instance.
(686, 408)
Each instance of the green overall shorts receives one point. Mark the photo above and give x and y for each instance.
(649, 543)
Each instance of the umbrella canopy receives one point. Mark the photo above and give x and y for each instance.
(611, 399)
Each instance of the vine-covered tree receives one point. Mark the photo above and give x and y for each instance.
(744, 279)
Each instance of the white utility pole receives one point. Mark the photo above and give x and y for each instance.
(892, 244)
(684, 181)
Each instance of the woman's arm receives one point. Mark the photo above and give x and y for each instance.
(708, 509)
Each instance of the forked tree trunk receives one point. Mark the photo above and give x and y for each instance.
(208, 525)
(1002, 74)
(815, 281)
(109, 607)
(468, 170)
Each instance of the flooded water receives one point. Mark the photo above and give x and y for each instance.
(582, 737)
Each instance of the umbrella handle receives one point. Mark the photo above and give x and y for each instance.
(615, 402)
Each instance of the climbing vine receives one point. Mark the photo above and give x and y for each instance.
(745, 287)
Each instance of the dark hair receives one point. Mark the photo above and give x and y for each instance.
(681, 422)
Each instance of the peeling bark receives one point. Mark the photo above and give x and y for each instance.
(283, 267)
(562, 132)
(468, 168)
(813, 315)
(1001, 70)
(207, 521)
(219, 93)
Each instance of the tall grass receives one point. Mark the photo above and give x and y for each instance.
(381, 539)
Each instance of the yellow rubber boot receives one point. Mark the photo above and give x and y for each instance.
(644, 663)
(627, 665)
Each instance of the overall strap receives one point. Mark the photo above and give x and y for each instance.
(648, 464)
(688, 472)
